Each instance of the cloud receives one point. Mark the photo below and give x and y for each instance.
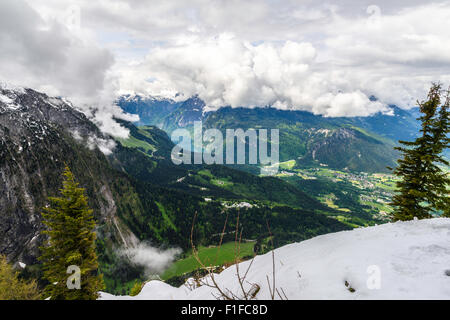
(227, 71)
(59, 59)
(45, 54)
(328, 58)
(154, 260)
(104, 115)
(340, 58)
(395, 56)
(104, 145)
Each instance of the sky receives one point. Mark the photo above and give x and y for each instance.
(327, 57)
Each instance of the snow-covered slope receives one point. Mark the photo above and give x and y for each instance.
(403, 260)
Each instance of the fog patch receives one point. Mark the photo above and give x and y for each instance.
(76, 135)
(153, 260)
(106, 146)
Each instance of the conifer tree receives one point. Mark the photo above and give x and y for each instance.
(423, 187)
(440, 183)
(71, 242)
(14, 288)
(136, 289)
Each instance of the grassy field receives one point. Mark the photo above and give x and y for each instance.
(329, 201)
(208, 256)
(165, 216)
(132, 142)
(288, 165)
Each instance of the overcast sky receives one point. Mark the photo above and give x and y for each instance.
(327, 57)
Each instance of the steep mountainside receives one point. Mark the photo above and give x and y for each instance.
(184, 116)
(38, 135)
(400, 125)
(313, 140)
(163, 113)
(151, 110)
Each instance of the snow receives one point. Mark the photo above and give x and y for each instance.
(6, 100)
(163, 290)
(56, 103)
(181, 179)
(11, 87)
(238, 205)
(8, 93)
(134, 97)
(402, 260)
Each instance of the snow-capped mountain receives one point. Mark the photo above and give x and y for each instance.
(165, 113)
(353, 143)
(151, 110)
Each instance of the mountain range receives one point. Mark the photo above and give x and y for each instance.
(344, 143)
(140, 196)
(137, 193)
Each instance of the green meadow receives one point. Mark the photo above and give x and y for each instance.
(210, 256)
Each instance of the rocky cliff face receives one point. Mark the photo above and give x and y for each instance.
(151, 110)
(348, 148)
(191, 110)
(38, 135)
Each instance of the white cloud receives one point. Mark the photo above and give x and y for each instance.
(104, 145)
(227, 71)
(327, 58)
(46, 54)
(154, 260)
(55, 58)
(393, 53)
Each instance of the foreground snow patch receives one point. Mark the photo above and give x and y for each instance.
(402, 260)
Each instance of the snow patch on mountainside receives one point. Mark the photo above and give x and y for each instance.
(6, 100)
(402, 260)
(11, 87)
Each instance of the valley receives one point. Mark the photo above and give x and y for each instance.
(373, 190)
(150, 148)
(353, 198)
(140, 196)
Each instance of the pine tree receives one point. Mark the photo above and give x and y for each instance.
(14, 288)
(71, 242)
(136, 289)
(440, 184)
(423, 187)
